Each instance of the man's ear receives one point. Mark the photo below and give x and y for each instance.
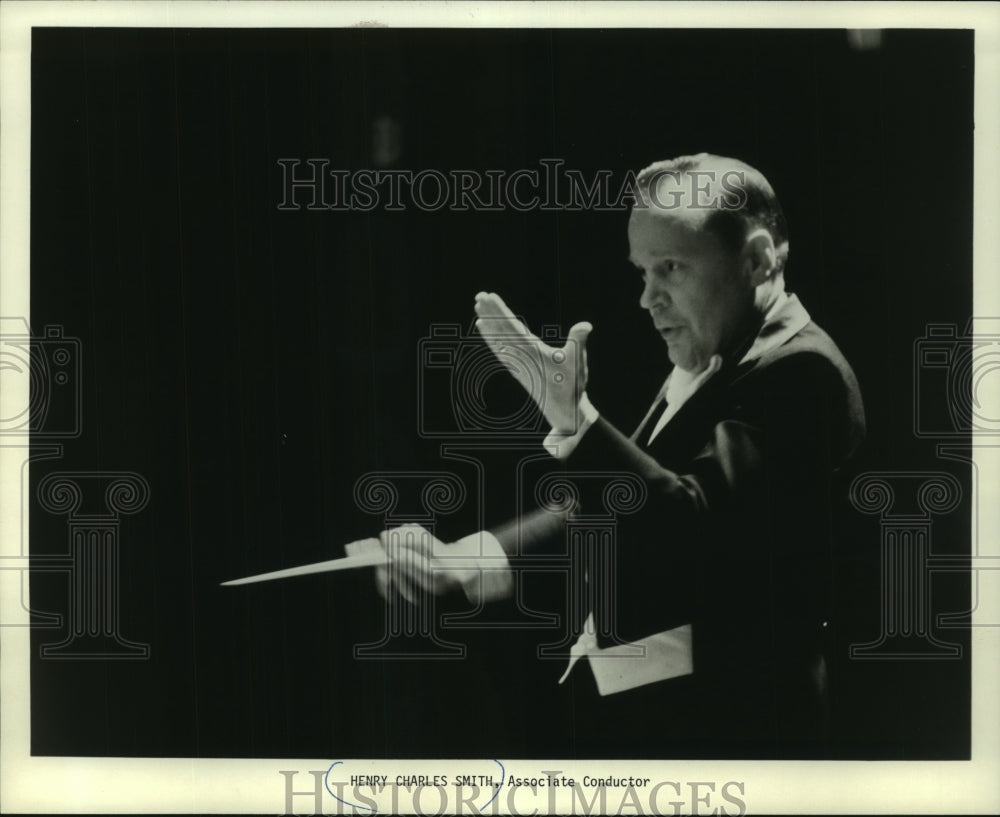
(759, 257)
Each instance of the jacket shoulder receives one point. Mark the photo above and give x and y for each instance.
(811, 345)
(810, 359)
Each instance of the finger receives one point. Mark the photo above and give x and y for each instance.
(413, 536)
(362, 546)
(510, 347)
(496, 322)
(414, 576)
(407, 590)
(416, 538)
(415, 569)
(382, 581)
(506, 343)
(397, 578)
(504, 331)
(492, 305)
(497, 317)
(577, 336)
(409, 549)
(579, 332)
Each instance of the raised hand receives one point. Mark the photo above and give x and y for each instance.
(554, 377)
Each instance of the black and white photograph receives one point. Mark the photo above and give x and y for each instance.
(499, 408)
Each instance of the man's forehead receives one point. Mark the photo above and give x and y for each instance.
(674, 224)
(661, 234)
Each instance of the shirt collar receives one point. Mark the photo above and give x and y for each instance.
(786, 318)
(681, 383)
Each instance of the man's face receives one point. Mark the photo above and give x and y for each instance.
(693, 288)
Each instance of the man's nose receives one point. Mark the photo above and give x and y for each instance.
(651, 295)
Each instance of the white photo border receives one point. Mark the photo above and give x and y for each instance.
(184, 785)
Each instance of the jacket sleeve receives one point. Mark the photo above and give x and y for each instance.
(788, 421)
(531, 532)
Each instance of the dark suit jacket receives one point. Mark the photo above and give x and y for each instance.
(734, 537)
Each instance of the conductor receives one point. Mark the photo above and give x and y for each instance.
(720, 600)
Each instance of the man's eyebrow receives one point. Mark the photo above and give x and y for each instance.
(676, 256)
(656, 260)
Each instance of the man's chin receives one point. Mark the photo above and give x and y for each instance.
(682, 360)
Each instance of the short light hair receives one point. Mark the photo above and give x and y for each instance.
(741, 198)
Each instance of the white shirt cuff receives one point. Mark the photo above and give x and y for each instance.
(559, 444)
(488, 575)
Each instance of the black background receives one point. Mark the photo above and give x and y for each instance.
(251, 364)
